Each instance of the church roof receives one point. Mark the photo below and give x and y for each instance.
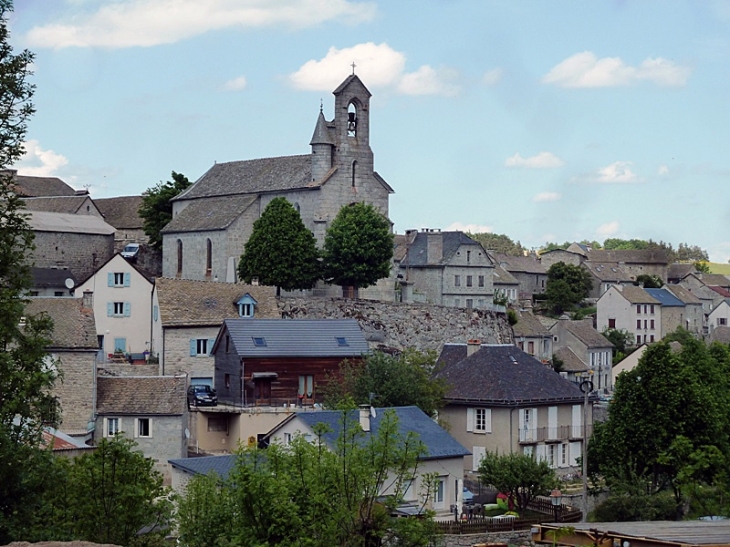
(216, 213)
(121, 212)
(321, 132)
(352, 78)
(252, 177)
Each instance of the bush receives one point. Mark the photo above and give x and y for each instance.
(512, 317)
(623, 508)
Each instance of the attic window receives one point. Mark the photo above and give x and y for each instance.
(259, 342)
(246, 305)
(341, 341)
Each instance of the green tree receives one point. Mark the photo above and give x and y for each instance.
(567, 286)
(281, 251)
(702, 267)
(156, 208)
(621, 339)
(385, 380)
(649, 281)
(518, 475)
(498, 243)
(358, 247)
(204, 512)
(552, 246)
(317, 494)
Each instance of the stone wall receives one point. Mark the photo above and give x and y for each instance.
(396, 326)
(75, 389)
(80, 253)
(518, 537)
(120, 369)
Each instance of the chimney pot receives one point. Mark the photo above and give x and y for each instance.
(473, 346)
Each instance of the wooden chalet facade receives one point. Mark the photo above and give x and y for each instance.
(276, 362)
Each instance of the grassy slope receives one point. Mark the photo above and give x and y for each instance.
(720, 268)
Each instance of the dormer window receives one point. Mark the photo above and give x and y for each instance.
(246, 305)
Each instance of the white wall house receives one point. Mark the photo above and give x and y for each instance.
(630, 308)
(720, 316)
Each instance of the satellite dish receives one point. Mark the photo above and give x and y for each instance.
(69, 283)
(372, 412)
(187, 433)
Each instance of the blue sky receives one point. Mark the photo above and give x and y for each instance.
(545, 121)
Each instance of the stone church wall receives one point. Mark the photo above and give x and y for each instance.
(397, 326)
(80, 253)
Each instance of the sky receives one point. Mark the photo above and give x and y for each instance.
(546, 121)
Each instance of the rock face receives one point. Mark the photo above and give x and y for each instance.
(396, 326)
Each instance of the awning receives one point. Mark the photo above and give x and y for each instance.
(260, 375)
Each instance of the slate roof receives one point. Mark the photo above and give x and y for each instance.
(216, 213)
(607, 271)
(519, 264)
(584, 331)
(642, 256)
(56, 204)
(439, 444)
(528, 325)
(141, 395)
(503, 277)
(51, 277)
(253, 176)
(121, 212)
(721, 291)
(149, 277)
(683, 294)
(186, 303)
(504, 375)
(637, 295)
(665, 298)
(714, 280)
(679, 270)
(417, 255)
(220, 465)
(60, 441)
(28, 186)
(296, 337)
(571, 362)
(42, 221)
(74, 327)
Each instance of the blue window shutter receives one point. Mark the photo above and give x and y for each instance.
(211, 341)
(110, 279)
(193, 347)
(127, 309)
(109, 309)
(127, 279)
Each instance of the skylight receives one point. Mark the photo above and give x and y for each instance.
(259, 342)
(341, 341)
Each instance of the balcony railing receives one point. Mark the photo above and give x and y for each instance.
(547, 434)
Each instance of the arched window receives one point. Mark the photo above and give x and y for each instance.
(354, 170)
(208, 257)
(296, 206)
(179, 257)
(352, 120)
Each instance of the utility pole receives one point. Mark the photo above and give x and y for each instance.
(586, 387)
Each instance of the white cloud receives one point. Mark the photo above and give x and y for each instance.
(493, 77)
(542, 160)
(471, 228)
(546, 196)
(379, 65)
(236, 84)
(130, 23)
(37, 162)
(618, 172)
(663, 170)
(586, 70)
(608, 229)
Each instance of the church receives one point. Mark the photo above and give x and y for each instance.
(213, 219)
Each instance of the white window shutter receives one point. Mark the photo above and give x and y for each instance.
(540, 452)
(105, 430)
(136, 428)
(575, 453)
(488, 418)
(478, 453)
(470, 419)
(149, 422)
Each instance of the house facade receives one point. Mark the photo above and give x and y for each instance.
(633, 309)
(528, 270)
(502, 400)
(720, 316)
(121, 296)
(693, 319)
(592, 348)
(532, 337)
(214, 218)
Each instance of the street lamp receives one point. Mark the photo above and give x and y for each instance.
(556, 498)
(586, 387)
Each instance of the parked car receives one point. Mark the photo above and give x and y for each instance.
(202, 395)
(130, 251)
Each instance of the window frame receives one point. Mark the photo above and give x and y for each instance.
(139, 427)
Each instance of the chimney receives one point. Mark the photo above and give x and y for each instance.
(434, 247)
(472, 346)
(87, 301)
(365, 417)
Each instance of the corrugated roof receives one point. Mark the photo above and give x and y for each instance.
(141, 395)
(42, 221)
(74, 327)
(584, 331)
(215, 213)
(417, 255)
(505, 375)
(121, 212)
(297, 337)
(665, 298)
(185, 302)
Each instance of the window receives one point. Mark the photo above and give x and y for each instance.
(651, 308)
(651, 338)
(227, 380)
(201, 346)
(645, 308)
(638, 308)
(246, 306)
(120, 345)
(118, 279)
(651, 324)
(469, 303)
(352, 120)
(457, 281)
(468, 256)
(144, 427)
(721, 321)
(646, 324)
(112, 427)
(287, 439)
(341, 341)
(479, 420)
(354, 174)
(563, 455)
(480, 280)
(552, 456)
(259, 342)
(480, 303)
(612, 323)
(118, 309)
(306, 386)
(531, 348)
(218, 423)
(179, 257)
(439, 494)
(228, 344)
(638, 339)
(208, 257)
(457, 302)
(638, 323)
(469, 280)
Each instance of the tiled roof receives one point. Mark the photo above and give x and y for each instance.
(73, 325)
(505, 375)
(28, 186)
(51, 277)
(209, 214)
(683, 294)
(417, 254)
(678, 270)
(42, 221)
(528, 325)
(297, 337)
(253, 176)
(714, 280)
(439, 444)
(519, 264)
(60, 441)
(220, 465)
(637, 295)
(584, 331)
(644, 256)
(721, 291)
(665, 298)
(571, 362)
(607, 271)
(121, 212)
(185, 302)
(141, 395)
(503, 277)
(56, 204)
